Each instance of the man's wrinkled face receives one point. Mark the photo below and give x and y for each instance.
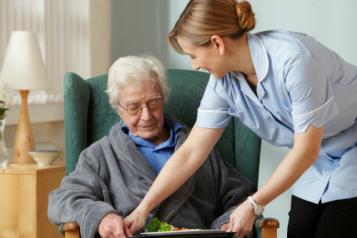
(142, 109)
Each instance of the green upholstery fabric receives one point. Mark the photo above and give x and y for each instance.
(88, 117)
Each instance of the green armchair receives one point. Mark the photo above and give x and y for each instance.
(88, 117)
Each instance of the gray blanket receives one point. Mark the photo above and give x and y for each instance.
(112, 176)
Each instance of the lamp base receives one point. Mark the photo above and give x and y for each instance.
(23, 139)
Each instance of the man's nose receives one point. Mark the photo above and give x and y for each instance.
(145, 113)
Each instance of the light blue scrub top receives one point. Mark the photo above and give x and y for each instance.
(300, 83)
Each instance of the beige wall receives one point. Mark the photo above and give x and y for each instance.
(100, 36)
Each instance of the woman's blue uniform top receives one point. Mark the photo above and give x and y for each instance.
(300, 83)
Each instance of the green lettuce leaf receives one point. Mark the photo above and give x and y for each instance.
(157, 225)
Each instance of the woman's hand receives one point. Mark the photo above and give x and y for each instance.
(136, 220)
(242, 219)
(224, 227)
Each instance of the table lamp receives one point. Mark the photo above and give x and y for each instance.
(23, 70)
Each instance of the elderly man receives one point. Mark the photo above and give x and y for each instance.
(114, 173)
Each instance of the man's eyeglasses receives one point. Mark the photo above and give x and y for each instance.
(134, 109)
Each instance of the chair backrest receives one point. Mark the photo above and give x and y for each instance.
(88, 117)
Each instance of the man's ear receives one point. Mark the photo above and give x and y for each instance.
(218, 43)
(119, 112)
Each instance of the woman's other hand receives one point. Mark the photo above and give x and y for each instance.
(242, 219)
(136, 220)
(224, 227)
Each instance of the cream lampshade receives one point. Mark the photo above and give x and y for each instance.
(23, 69)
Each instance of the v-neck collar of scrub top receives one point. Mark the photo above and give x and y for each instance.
(261, 65)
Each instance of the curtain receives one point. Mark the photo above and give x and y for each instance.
(63, 29)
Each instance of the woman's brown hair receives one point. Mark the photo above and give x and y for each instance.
(203, 18)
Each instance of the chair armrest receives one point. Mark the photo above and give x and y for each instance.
(266, 227)
(71, 230)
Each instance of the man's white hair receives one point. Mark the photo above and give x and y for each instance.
(130, 70)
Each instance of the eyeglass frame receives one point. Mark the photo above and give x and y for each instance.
(140, 109)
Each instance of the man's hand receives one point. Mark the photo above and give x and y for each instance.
(113, 226)
(242, 219)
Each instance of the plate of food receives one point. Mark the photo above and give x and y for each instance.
(157, 228)
(188, 233)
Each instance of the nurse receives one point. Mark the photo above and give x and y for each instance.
(291, 91)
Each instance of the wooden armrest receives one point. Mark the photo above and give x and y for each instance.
(71, 230)
(268, 227)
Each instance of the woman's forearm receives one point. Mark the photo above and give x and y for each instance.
(182, 165)
(288, 171)
(176, 171)
(297, 161)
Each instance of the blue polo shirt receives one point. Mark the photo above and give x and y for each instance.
(300, 83)
(157, 155)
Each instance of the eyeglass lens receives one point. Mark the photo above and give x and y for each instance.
(135, 108)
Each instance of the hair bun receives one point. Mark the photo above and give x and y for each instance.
(246, 16)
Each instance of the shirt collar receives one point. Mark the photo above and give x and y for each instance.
(173, 127)
(259, 56)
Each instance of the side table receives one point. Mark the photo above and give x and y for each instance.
(24, 193)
